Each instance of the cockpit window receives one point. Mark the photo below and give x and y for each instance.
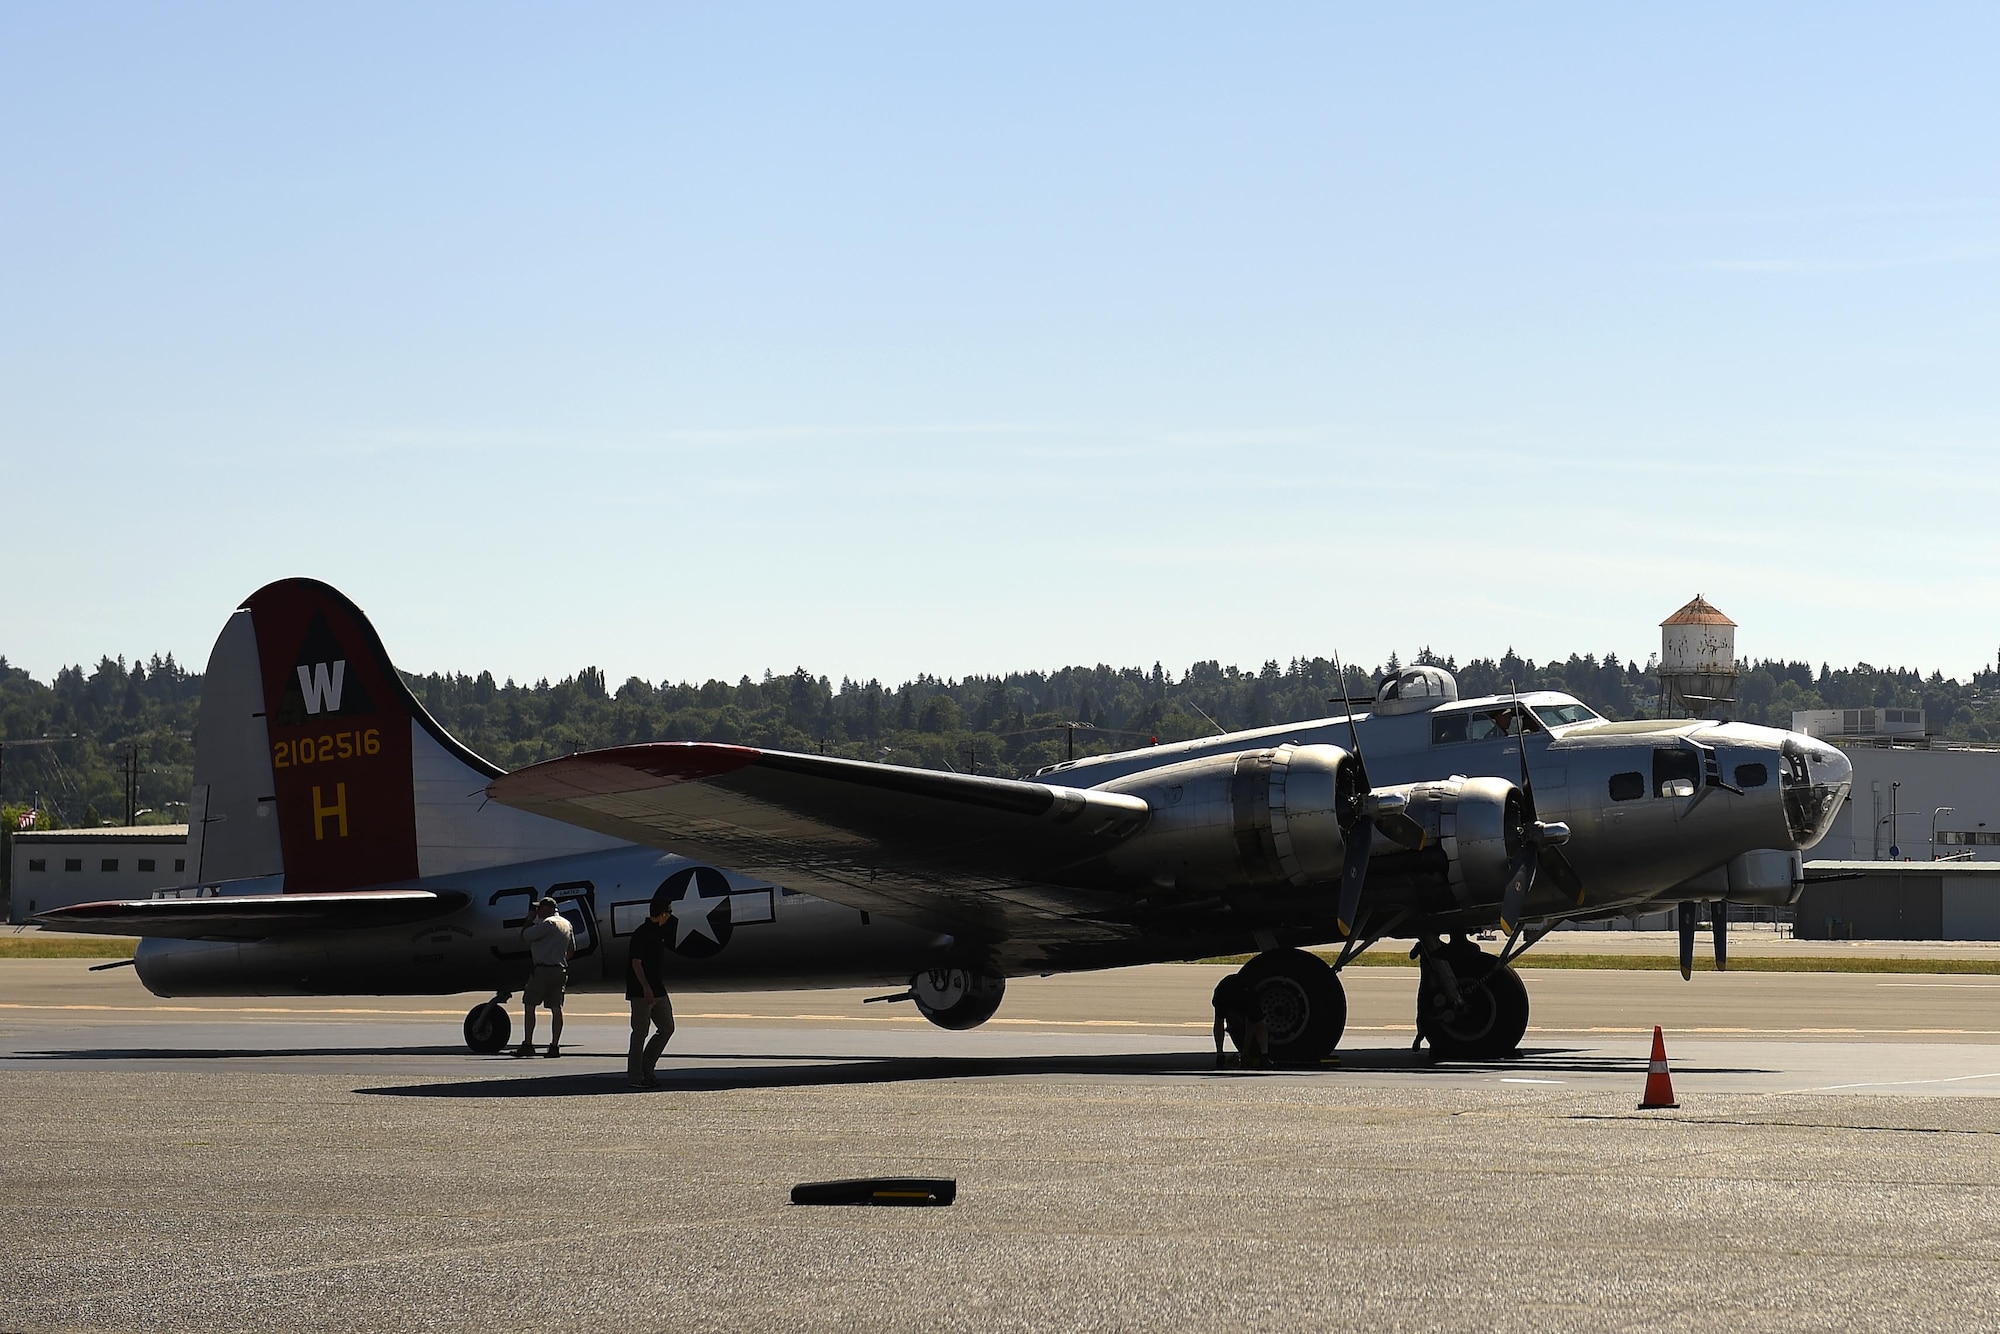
(1555, 715)
(1628, 787)
(1447, 728)
(1489, 724)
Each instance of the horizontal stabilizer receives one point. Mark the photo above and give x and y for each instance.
(252, 917)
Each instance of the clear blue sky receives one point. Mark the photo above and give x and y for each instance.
(696, 341)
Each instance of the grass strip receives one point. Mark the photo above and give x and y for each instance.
(1703, 963)
(42, 945)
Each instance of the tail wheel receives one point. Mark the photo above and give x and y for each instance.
(956, 999)
(1490, 1019)
(1305, 1006)
(487, 1028)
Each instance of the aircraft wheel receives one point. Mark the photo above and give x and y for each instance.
(1305, 1005)
(487, 1028)
(956, 999)
(1490, 1019)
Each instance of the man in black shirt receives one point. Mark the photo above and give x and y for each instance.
(1239, 1013)
(646, 988)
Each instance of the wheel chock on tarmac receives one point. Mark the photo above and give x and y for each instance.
(1659, 1084)
(909, 1192)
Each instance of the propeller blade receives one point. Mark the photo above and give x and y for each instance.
(1402, 830)
(1353, 732)
(1563, 873)
(1515, 896)
(1354, 876)
(1521, 745)
(1718, 926)
(1688, 909)
(1359, 834)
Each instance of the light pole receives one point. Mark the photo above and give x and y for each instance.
(1942, 810)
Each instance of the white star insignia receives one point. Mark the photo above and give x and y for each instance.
(691, 914)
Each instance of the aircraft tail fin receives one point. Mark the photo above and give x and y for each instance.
(313, 760)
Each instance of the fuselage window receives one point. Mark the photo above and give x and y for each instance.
(1447, 728)
(1675, 772)
(1628, 787)
(1752, 775)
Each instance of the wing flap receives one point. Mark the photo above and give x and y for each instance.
(251, 917)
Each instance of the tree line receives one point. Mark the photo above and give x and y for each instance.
(71, 747)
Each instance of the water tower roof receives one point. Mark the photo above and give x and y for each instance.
(1698, 612)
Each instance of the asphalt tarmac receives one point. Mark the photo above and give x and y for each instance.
(342, 1163)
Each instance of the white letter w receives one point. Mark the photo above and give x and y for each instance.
(321, 691)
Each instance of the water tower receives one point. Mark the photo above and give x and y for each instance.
(1697, 662)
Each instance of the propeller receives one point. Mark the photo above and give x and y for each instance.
(1540, 843)
(1382, 811)
(1688, 909)
(1358, 836)
(1718, 926)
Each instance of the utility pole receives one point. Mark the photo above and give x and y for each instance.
(972, 753)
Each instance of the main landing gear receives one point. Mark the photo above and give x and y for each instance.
(1305, 1006)
(1470, 1007)
(487, 1025)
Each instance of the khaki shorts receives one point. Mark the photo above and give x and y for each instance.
(546, 986)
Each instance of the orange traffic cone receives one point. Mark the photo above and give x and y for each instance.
(1659, 1084)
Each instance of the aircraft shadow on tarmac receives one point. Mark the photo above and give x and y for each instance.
(734, 1072)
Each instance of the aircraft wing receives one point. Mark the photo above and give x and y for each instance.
(251, 917)
(955, 852)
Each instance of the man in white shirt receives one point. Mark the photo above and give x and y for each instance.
(550, 943)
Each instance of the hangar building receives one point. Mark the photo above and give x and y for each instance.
(1905, 783)
(53, 868)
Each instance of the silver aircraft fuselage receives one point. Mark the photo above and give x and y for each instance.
(1650, 806)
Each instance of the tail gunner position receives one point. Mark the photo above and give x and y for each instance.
(344, 843)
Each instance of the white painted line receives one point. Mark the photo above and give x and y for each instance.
(1944, 986)
(1957, 1079)
(1514, 1079)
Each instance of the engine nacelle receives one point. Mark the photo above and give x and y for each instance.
(1475, 823)
(1258, 819)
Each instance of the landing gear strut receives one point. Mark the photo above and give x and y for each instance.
(1469, 1006)
(487, 1025)
(1305, 1006)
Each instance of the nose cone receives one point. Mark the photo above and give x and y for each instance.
(1814, 778)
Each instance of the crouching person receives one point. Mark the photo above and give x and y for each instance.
(646, 989)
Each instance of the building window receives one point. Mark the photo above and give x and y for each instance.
(1628, 787)
(180, 864)
(108, 864)
(72, 863)
(1752, 775)
(1970, 838)
(38, 863)
(145, 863)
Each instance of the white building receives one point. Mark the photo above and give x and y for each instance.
(1899, 788)
(53, 868)
(1875, 724)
